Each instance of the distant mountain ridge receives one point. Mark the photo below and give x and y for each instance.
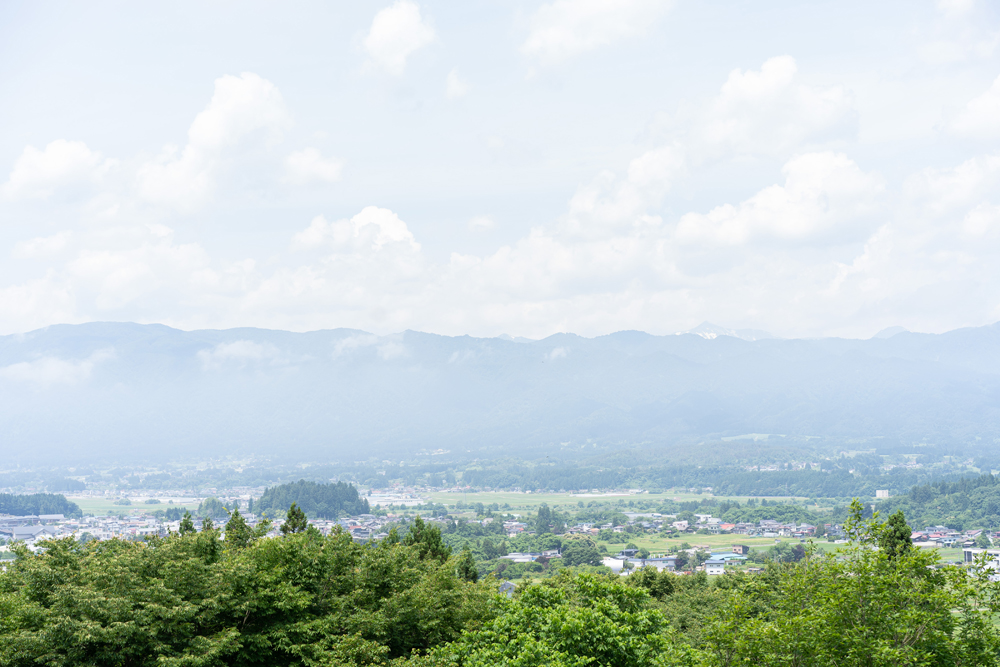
(121, 390)
(709, 331)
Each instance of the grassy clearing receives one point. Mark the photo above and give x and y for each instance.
(661, 543)
(99, 506)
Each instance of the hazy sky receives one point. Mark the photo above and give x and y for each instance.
(821, 168)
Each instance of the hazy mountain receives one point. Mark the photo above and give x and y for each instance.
(709, 330)
(129, 390)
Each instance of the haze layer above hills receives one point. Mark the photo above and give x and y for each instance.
(130, 391)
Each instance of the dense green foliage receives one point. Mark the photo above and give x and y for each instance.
(961, 504)
(38, 503)
(190, 600)
(305, 599)
(326, 501)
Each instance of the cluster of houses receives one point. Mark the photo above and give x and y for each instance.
(628, 560)
(658, 522)
(942, 536)
(34, 528)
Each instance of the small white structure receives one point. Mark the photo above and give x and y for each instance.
(882, 493)
(715, 566)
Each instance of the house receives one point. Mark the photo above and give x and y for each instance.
(30, 532)
(715, 566)
(970, 556)
(741, 549)
(680, 525)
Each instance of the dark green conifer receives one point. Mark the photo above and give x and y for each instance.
(894, 536)
(187, 525)
(467, 567)
(295, 521)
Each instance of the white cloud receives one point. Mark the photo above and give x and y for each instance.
(941, 191)
(241, 108)
(981, 116)
(391, 350)
(380, 226)
(371, 230)
(351, 343)
(315, 235)
(397, 32)
(556, 353)
(981, 221)
(454, 86)
(47, 371)
(481, 223)
(63, 164)
(307, 166)
(239, 354)
(42, 246)
(770, 111)
(826, 196)
(566, 28)
(609, 202)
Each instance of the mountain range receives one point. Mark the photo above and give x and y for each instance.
(129, 391)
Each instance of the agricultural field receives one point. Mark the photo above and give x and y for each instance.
(566, 501)
(98, 506)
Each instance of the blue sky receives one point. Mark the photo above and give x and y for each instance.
(508, 167)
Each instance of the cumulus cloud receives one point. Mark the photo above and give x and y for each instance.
(47, 371)
(770, 111)
(825, 196)
(563, 29)
(609, 201)
(62, 165)
(241, 107)
(42, 246)
(308, 166)
(397, 32)
(373, 228)
(981, 116)
(455, 87)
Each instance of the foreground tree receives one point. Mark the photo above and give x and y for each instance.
(567, 621)
(879, 602)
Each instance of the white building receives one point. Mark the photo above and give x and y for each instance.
(882, 493)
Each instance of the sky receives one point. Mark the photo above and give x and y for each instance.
(527, 168)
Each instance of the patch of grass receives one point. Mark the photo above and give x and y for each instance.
(101, 506)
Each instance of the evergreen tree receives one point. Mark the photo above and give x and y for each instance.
(427, 541)
(187, 525)
(894, 535)
(543, 519)
(239, 534)
(466, 569)
(295, 521)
